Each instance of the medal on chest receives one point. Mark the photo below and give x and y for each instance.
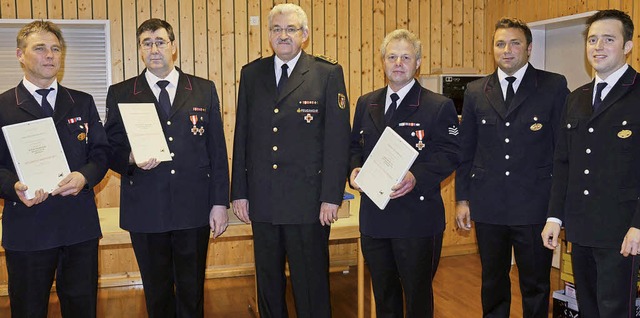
(420, 135)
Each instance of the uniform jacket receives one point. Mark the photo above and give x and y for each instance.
(177, 194)
(419, 213)
(596, 181)
(58, 221)
(291, 150)
(507, 155)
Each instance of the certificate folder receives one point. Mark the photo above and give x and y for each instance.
(37, 154)
(144, 131)
(387, 165)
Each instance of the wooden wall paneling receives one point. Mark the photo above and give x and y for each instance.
(316, 42)
(99, 8)
(330, 29)
(228, 85)
(542, 10)
(436, 33)
(379, 33)
(402, 14)
(39, 9)
(413, 16)
(354, 44)
(186, 50)
(603, 4)
(367, 47)
(254, 33)
(129, 43)
(214, 44)
(553, 9)
(492, 15)
(172, 15)
(627, 6)
(479, 40)
(23, 8)
(241, 21)
(615, 4)
(8, 9)
(265, 7)
(591, 5)
(424, 32)
(143, 11)
(457, 33)
(157, 9)
(70, 9)
(84, 9)
(635, 51)
(467, 41)
(343, 43)
(117, 54)
(200, 58)
(241, 58)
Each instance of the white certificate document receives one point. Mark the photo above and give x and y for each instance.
(37, 154)
(387, 165)
(144, 131)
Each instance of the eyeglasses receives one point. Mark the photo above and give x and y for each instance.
(287, 30)
(160, 44)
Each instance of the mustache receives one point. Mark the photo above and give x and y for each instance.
(285, 41)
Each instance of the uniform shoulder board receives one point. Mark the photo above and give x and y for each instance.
(326, 59)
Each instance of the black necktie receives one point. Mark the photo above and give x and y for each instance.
(392, 108)
(510, 91)
(47, 110)
(598, 100)
(163, 98)
(283, 78)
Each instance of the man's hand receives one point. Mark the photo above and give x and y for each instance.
(147, 165)
(631, 242)
(403, 187)
(72, 184)
(463, 215)
(328, 213)
(218, 220)
(352, 179)
(21, 189)
(550, 234)
(241, 210)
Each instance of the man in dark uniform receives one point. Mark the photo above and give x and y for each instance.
(57, 234)
(402, 243)
(290, 160)
(169, 208)
(510, 120)
(596, 180)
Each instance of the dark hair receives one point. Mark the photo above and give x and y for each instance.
(508, 23)
(627, 23)
(35, 27)
(154, 25)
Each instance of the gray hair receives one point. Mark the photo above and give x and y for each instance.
(401, 34)
(290, 8)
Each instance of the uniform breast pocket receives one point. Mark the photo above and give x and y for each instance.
(487, 130)
(76, 139)
(535, 127)
(571, 128)
(625, 138)
(199, 122)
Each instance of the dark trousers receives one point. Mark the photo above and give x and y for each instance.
(402, 264)
(31, 275)
(306, 247)
(172, 265)
(495, 243)
(605, 282)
